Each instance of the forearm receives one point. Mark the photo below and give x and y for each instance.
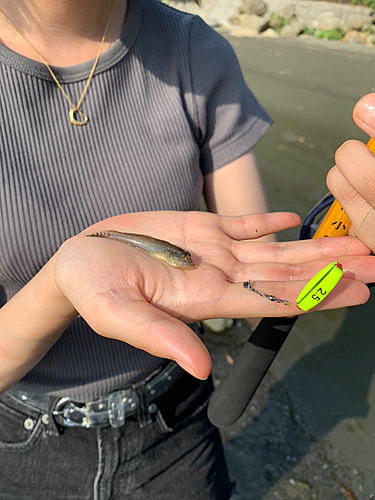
(30, 323)
(237, 189)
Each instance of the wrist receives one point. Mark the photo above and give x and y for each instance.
(59, 308)
(39, 310)
(30, 323)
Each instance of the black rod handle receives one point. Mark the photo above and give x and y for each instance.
(231, 398)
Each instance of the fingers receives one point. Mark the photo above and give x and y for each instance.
(257, 225)
(359, 268)
(127, 295)
(105, 285)
(217, 297)
(192, 228)
(347, 293)
(352, 182)
(296, 252)
(356, 164)
(364, 114)
(236, 301)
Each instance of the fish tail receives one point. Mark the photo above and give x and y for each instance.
(99, 234)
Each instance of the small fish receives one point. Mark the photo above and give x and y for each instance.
(159, 249)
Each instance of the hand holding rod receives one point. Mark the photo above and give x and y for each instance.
(231, 398)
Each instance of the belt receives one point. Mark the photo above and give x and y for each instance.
(111, 409)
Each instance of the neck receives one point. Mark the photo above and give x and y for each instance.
(64, 32)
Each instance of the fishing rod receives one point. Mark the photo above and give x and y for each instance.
(234, 393)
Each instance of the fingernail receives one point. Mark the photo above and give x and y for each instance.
(366, 112)
(190, 370)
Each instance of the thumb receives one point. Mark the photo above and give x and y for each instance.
(364, 114)
(146, 327)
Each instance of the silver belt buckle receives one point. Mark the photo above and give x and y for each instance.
(110, 409)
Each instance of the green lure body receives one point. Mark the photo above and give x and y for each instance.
(318, 288)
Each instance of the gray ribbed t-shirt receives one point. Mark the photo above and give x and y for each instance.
(167, 105)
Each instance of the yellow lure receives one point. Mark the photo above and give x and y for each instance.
(319, 286)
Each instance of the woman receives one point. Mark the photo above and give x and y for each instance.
(126, 108)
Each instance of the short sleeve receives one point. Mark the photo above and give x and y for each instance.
(228, 118)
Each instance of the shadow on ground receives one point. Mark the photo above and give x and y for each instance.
(285, 444)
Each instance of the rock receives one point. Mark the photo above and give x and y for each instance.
(354, 21)
(253, 18)
(255, 23)
(354, 36)
(213, 12)
(278, 6)
(253, 7)
(234, 20)
(238, 33)
(351, 16)
(288, 11)
(327, 21)
(276, 22)
(293, 29)
(370, 39)
(218, 325)
(307, 36)
(213, 22)
(269, 33)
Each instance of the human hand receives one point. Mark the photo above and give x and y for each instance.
(352, 179)
(127, 295)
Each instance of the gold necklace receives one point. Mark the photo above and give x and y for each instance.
(74, 108)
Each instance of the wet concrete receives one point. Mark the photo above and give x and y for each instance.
(309, 432)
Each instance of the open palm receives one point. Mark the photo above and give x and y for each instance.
(127, 295)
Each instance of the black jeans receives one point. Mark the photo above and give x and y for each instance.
(173, 453)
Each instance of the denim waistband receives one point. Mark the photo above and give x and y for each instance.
(111, 409)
